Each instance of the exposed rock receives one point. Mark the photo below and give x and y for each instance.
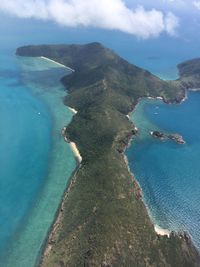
(177, 138)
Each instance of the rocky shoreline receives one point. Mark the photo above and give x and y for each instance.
(104, 221)
(177, 138)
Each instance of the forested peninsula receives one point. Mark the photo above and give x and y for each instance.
(103, 220)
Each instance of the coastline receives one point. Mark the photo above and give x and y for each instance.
(57, 63)
(184, 98)
(49, 241)
(125, 132)
(58, 217)
(73, 146)
(38, 220)
(76, 152)
(162, 232)
(50, 238)
(159, 230)
(73, 110)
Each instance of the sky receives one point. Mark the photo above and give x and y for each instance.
(144, 19)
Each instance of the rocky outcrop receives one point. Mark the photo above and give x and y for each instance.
(177, 138)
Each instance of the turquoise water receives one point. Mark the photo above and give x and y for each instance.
(21, 129)
(168, 173)
(35, 163)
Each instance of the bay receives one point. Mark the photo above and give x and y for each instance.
(169, 173)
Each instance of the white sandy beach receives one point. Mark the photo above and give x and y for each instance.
(76, 152)
(73, 147)
(72, 144)
(161, 231)
(72, 110)
(57, 63)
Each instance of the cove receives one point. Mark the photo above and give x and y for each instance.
(169, 173)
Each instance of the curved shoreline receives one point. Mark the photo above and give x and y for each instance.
(48, 243)
(25, 247)
(157, 228)
(58, 217)
(57, 63)
(120, 145)
(162, 232)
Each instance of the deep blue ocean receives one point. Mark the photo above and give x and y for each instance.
(169, 173)
(36, 164)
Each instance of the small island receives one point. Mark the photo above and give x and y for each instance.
(102, 220)
(177, 138)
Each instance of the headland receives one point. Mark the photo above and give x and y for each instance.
(104, 221)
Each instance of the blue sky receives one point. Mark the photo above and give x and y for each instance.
(165, 30)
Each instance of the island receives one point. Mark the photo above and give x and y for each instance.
(177, 138)
(102, 220)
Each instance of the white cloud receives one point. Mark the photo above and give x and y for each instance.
(197, 4)
(172, 23)
(106, 14)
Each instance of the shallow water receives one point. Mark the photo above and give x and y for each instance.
(169, 174)
(35, 161)
(32, 115)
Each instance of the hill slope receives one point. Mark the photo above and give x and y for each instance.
(103, 221)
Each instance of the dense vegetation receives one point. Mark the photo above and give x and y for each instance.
(103, 219)
(190, 73)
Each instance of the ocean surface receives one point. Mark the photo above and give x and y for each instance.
(35, 162)
(169, 173)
